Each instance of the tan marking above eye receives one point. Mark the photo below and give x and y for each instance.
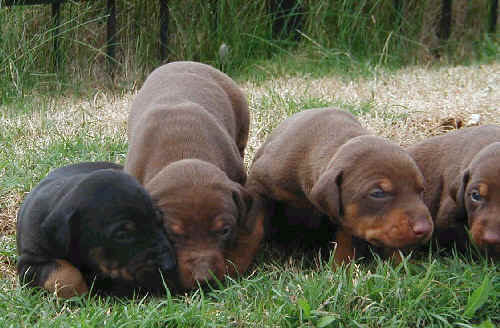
(176, 228)
(386, 185)
(483, 189)
(130, 226)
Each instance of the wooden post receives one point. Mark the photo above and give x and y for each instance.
(493, 16)
(55, 34)
(111, 35)
(164, 17)
(445, 22)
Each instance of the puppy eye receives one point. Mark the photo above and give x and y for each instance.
(378, 193)
(225, 232)
(475, 196)
(123, 236)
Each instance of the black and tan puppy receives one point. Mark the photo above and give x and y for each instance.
(462, 173)
(92, 224)
(370, 189)
(188, 128)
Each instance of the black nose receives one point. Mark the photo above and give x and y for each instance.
(168, 261)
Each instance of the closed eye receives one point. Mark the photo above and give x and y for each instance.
(225, 232)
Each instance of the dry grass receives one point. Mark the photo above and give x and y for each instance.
(405, 106)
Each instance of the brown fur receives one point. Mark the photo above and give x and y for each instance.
(188, 129)
(66, 281)
(322, 159)
(455, 166)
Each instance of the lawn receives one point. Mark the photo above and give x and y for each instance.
(429, 289)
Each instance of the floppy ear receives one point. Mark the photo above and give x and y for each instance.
(325, 194)
(57, 228)
(243, 201)
(452, 209)
(457, 192)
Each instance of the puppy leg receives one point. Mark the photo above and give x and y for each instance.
(344, 251)
(58, 276)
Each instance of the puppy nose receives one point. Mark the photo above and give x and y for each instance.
(168, 262)
(491, 237)
(422, 227)
(205, 269)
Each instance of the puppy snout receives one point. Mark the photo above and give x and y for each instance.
(168, 262)
(422, 227)
(491, 237)
(203, 269)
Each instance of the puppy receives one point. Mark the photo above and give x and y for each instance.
(90, 223)
(188, 128)
(370, 189)
(462, 173)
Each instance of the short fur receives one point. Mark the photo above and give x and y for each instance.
(92, 224)
(370, 189)
(458, 167)
(188, 128)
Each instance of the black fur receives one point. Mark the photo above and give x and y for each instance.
(99, 219)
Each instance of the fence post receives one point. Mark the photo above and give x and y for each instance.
(445, 21)
(493, 16)
(55, 34)
(164, 17)
(111, 35)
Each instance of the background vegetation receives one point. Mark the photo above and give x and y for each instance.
(344, 54)
(341, 35)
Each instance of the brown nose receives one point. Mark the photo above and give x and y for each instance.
(422, 227)
(491, 237)
(205, 269)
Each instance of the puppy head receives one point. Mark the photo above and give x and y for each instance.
(477, 192)
(111, 230)
(204, 212)
(373, 189)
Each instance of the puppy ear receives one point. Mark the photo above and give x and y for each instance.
(457, 188)
(57, 228)
(325, 194)
(243, 201)
(457, 193)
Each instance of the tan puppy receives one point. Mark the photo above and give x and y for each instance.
(370, 188)
(462, 173)
(188, 129)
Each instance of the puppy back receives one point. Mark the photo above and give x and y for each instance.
(190, 81)
(297, 151)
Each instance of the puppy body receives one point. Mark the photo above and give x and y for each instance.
(188, 129)
(462, 174)
(323, 160)
(90, 223)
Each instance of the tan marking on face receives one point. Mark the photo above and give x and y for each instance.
(66, 281)
(112, 268)
(344, 250)
(486, 236)
(386, 185)
(177, 228)
(218, 224)
(392, 230)
(130, 226)
(483, 189)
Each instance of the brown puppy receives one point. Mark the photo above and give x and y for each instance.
(370, 188)
(188, 129)
(462, 173)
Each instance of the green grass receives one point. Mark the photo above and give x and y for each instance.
(297, 290)
(345, 36)
(287, 292)
(351, 40)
